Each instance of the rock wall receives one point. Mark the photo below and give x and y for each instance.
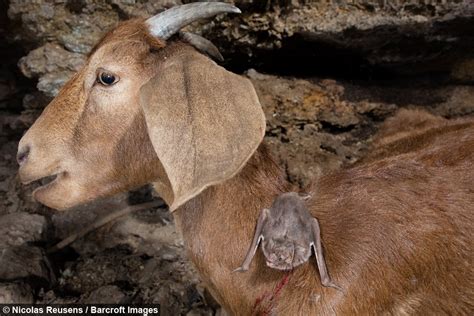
(345, 38)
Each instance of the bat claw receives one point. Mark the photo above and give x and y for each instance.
(239, 269)
(333, 285)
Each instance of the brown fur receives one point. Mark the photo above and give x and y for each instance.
(88, 124)
(396, 232)
(397, 229)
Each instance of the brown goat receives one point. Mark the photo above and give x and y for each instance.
(397, 229)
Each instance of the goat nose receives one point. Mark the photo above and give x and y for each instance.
(22, 155)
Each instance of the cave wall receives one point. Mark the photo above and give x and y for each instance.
(346, 39)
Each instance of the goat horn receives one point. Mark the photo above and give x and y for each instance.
(167, 23)
(202, 44)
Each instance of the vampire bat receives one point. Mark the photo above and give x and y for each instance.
(288, 232)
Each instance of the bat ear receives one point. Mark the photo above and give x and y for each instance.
(203, 121)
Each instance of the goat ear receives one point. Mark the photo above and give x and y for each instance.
(204, 123)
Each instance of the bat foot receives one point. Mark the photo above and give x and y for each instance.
(240, 269)
(332, 284)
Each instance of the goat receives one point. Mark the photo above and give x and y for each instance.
(149, 109)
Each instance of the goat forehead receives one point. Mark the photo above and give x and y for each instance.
(126, 52)
(127, 42)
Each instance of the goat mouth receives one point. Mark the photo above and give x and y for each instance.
(279, 265)
(47, 181)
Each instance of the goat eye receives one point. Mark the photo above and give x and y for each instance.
(106, 79)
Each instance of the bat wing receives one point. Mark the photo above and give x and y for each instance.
(318, 251)
(255, 242)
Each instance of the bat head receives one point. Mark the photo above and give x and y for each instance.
(284, 254)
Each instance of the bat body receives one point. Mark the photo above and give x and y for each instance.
(287, 232)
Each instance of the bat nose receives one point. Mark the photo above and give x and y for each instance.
(22, 155)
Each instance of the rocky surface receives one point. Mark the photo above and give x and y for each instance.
(19, 228)
(52, 64)
(327, 75)
(349, 38)
(319, 125)
(14, 293)
(345, 38)
(23, 262)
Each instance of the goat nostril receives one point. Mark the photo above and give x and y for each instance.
(22, 155)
